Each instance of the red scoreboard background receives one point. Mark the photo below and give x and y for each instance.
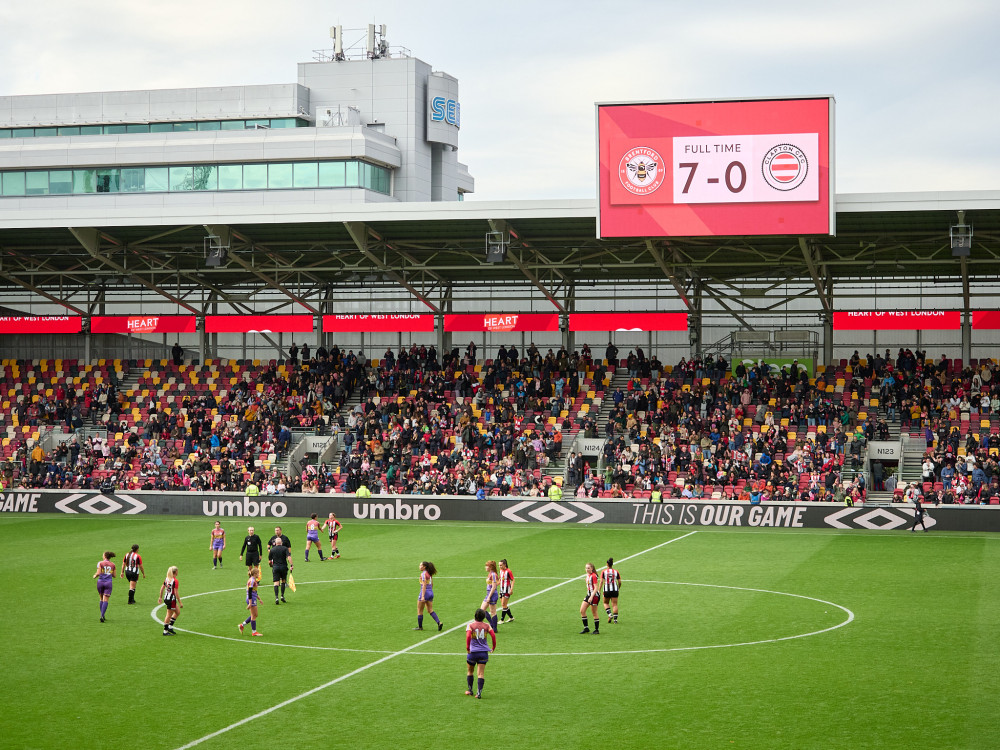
(695, 169)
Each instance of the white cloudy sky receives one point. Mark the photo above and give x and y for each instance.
(916, 81)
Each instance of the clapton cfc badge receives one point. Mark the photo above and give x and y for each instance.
(785, 167)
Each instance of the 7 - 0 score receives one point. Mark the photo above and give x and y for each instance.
(746, 168)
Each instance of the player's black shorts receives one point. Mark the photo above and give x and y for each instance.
(252, 560)
(131, 575)
(610, 594)
(477, 657)
(279, 573)
(591, 600)
(170, 603)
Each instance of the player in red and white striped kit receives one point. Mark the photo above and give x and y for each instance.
(591, 600)
(611, 583)
(131, 567)
(506, 588)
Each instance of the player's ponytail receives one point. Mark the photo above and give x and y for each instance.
(611, 562)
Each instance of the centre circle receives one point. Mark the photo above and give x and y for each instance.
(413, 649)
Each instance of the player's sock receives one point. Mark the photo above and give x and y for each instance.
(321, 558)
(420, 621)
(614, 617)
(104, 608)
(510, 615)
(215, 561)
(275, 592)
(436, 618)
(586, 622)
(247, 621)
(307, 555)
(479, 685)
(494, 621)
(468, 679)
(131, 595)
(253, 625)
(282, 589)
(220, 562)
(608, 611)
(503, 615)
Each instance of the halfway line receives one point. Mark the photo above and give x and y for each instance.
(386, 658)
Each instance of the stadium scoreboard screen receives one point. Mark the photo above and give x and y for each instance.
(695, 169)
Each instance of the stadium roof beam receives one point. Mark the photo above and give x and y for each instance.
(658, 257)
(359, 232)
(807, 253)
(90, 239)
(501, 225)
(226, 234)
(40, 292)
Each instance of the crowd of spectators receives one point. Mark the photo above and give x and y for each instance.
(457, 425)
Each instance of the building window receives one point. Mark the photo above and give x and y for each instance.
(197, 177)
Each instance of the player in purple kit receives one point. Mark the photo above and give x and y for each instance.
(252, 599)
(217, 544)
(492, 591)
(426, 598)
(105, 576)
(477, 650)
(312, 537)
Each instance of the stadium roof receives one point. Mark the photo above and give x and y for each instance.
(307, 253)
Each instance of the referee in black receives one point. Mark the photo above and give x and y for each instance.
(278, 538)
(253, 548)
(918, 514)
(280, 559)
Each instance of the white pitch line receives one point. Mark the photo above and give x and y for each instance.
(393, 655)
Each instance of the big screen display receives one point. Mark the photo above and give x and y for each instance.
(726, 168)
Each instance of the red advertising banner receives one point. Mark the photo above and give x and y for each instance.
(495, 322)
(696, 169)
(378, 324)
(258, 324)
(628, 322)
(898, 320)
(986, 320)
(41, 324)
(143, 324)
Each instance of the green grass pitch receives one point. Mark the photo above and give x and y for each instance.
(727, 639)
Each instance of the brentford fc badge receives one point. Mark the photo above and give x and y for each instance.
(785, 167)
(641, 170)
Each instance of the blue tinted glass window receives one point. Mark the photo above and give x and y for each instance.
(181, 178)
(69, 131)
(133, 180)
(211, 125)
(233, 125)
(351, 178)
(161, 127)
(5, 134)
(230, 177)
(107, 180)
(37, 183)
(185, 127)
(114, 129)
(283, 122)
(84, 181)
(254, 176)
(304, 174)
(204, 178)
(13, 183)
(140, 128)
(157, 179)
(331, 174)
(24, 132)
(91, 130)
(45, 132)
(60, 181)
(279, 176)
